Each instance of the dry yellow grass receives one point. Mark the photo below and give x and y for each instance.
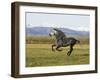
(78, 46)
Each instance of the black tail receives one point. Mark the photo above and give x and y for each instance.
(77, 41)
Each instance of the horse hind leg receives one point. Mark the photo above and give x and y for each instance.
(71, 49)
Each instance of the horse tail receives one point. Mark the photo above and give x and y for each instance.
(77, 41)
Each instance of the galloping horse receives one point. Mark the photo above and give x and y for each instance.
(62, 41)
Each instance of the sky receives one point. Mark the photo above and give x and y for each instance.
(77, 22)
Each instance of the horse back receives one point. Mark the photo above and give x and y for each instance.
(70, 40)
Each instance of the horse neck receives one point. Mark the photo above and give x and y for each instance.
(58, 37)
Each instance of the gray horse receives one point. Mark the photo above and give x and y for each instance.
(62, 41)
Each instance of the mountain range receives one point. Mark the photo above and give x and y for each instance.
(46, 30)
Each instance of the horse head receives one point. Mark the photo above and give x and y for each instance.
(53, 32)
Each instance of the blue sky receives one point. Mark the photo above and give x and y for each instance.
(71, 21)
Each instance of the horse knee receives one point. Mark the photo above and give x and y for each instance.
(57, 48)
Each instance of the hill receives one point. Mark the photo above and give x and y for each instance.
(46, 30)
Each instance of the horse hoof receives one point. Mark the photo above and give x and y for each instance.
(68, 54)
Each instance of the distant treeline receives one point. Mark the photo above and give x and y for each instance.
(50, 40)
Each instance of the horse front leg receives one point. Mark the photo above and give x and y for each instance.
(71, 49)
(53, 46)
(57, 48)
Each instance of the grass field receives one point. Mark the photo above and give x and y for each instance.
(42, 55)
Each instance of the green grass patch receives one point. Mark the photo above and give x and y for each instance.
(42, 55)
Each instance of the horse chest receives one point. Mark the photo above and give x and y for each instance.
(59, 42)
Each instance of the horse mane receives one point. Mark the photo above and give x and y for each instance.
(62, 34)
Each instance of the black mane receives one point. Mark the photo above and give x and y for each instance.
(60, 33)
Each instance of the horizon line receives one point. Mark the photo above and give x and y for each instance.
(57, 27)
